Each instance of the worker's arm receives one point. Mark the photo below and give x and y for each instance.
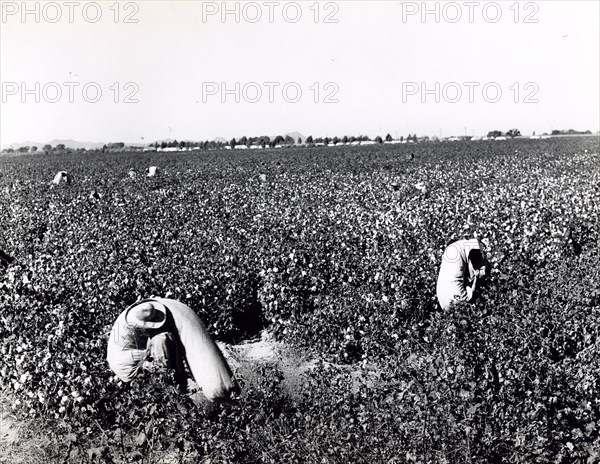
(471, 290)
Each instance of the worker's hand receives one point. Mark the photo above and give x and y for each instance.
(469, 291)
(150, 366)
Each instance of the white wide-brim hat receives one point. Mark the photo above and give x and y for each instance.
(147, 314)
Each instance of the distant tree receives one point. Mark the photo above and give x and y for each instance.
(156, 145)
(415, 139)
(388, 138)
(289, 140)
(60, 147)
(402, 138)
(299, 140)
(335, 140)
(345, 139)
(514, 133)
(232, 143)
(23, 149)
(326, 140)
(10, 150)
(309, 139)
(378, 139)
(116, 146)
(104, 149)
(555, 132)
(47, 149)
(494, 133)
(351, 139)
(33, 149)
(278, 140)
(163, 144)
(181, 144)
(533, 133)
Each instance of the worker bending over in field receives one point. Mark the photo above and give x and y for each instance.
(463, 265)
(162, 333)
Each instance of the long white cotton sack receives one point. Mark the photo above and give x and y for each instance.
(209, 368)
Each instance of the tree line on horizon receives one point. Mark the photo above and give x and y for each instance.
(266, 141)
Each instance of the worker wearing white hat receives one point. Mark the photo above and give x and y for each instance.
(143, 338)
(163, 333)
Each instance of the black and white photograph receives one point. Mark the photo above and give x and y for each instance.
(350, 231)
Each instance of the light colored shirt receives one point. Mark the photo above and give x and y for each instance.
(127, 349)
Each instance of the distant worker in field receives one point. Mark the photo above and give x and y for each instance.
(163, 333)
(463, 267)
(152, 171)
(62, 176)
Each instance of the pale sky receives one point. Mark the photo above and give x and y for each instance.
(375, 65)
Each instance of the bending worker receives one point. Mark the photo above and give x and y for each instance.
(160, 332)
(463, 265)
